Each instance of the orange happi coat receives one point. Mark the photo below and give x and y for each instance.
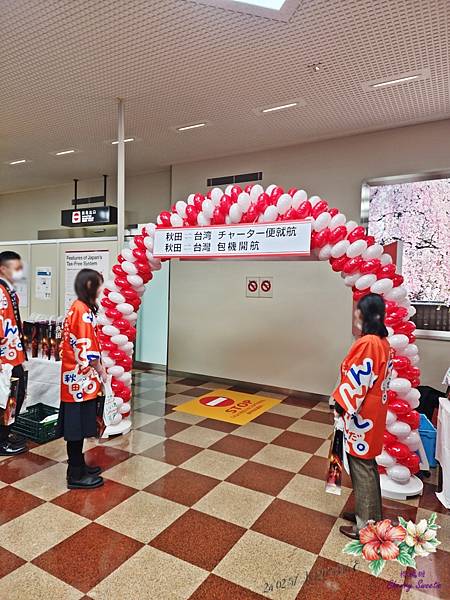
(11, 347)
(362, 393)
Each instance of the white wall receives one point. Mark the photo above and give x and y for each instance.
(295, 340)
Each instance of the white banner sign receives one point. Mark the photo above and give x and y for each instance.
(75, 260)
(228, 241)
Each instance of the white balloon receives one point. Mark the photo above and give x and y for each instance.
(227, 220)
(120, 339)
(180, 207)
(102, 319)
(411, 311)
(131, 317)
(244, 201)
(107, 362)
(125, 378)
(391, 417)
(207, 208)
(228, 189)
(400, 385)
(135, 280)
(350, 280)
(299, 197)
(394, 374)
(270, 214)
(338, 221)
(398, 341)
(132, 245)
(118, 401)
(128, 255)
(235, 213)
(340, 248)
(116, 419)
(365, 281)
(125, 308)
(202, 219)
(374, 251)
(176, 220)
(322, 221)
(155, 263)
(356, 248)
(410, 350)
(385, 459)
(390, 331)
(150, 229)
(351, 225)
(129, 267)
(412, 396)
(216, 195)
(116, 297)
(382, 286)
(399, 473)
(128, 347)
(148, 243)
(412, 440)
(284, 203)
(325, 252)
(315, 200)
(116, 371)
(399, 428)
(125, 408)
(110, 330)
(158, 220)
(396, 294)
(415, 360)
(111, 286)
(386, 259)
(255, 192)
(270, 188)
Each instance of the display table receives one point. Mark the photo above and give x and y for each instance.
(43, 382)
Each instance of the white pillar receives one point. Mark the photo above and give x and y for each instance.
(120, 174)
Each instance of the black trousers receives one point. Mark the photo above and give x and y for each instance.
(75, 453)
(19, 372)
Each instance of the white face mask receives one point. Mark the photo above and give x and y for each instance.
(17, 275)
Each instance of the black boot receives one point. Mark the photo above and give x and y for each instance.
(88, 470)
(78, 478)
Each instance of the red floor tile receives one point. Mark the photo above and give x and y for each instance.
(218, 425)
(193, 381)
(19, 467)
(295, 525)
(216, 588)
(432, 576)
(182, 486)
(164, 427)
(14, 502)
(429, 501)
(172, 452)
(238, 446)
(199, 539)
(319, 417)
(302, 400)
(317, 467)
(261, 478)
(298, 441)
(328, 579)
(93, 503)
(8, 562)
(273, 420)
(88, 556)
(105, 456)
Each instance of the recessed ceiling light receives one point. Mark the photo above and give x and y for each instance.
(17, 162)
(402, 78)
(132, 139)
(395, 81)
(272, 4)
(279, 107)
(194, 126)
(64, 152)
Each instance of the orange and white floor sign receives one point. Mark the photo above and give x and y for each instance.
(226, 405)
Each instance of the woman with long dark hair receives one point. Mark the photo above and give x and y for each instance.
(82, 374)
(361, 399)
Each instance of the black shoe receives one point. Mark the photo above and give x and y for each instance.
(16, 439)
(349, 516)
(88, 470)
(349, 532)
(78, 479)
(8, 449)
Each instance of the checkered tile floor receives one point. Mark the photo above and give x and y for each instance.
(197, 509)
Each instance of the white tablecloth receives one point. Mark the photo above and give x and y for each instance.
(43, 382)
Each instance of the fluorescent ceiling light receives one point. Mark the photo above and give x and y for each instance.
(395, 81)
(195, 126)
(17, 162)
(63, 152)
(280, 107)
(272, 4)
(125, 140)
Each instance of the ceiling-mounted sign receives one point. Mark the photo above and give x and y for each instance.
(84, 217)
(234, 241)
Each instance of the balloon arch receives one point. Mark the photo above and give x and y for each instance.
(362, 263)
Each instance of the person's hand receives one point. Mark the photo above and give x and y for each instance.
(103, 374)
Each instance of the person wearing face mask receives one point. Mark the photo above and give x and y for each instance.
(82, 374)
(11, 343)
(361, 400)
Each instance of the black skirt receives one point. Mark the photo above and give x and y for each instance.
(77, 420)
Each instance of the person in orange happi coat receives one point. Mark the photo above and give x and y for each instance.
(11, 345)
(361, 398)
(82, 374)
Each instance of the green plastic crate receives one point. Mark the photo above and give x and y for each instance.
(29, 425)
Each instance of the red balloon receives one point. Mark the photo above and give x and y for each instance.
(139, 254)
(139, 241)
(126, 395)
(391, 395)
(292, 191)
(122, 282)
(319, 208)
(225, 203)
(106, 302)
(406, 328)
(412, 418)
(320, 238)
(390, 306)
(122, 324)
(165, 218)
(398, 280)
(304, 209)
(358, 294)
(251, 215)
(117, 386)
(109, 346)
(370, 266)
(412, 461)
(358, 233)
(208, 194)
(142, 266)
(262, 202)
(397, 450)
(113, 313)
(401, 363)
(120, 258)
(388, 438)
(235, 191)
(338, 234)
(381, 470)
(387, 271)
(337, 264)
(291, 215)
(370, 240)
(399, 407)
(248, 188)
(352, 265)
(392, 320)
(333, 211)
(218, 217)
(198, 201)
(275, 194)
(192, 214)
(117, 270)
